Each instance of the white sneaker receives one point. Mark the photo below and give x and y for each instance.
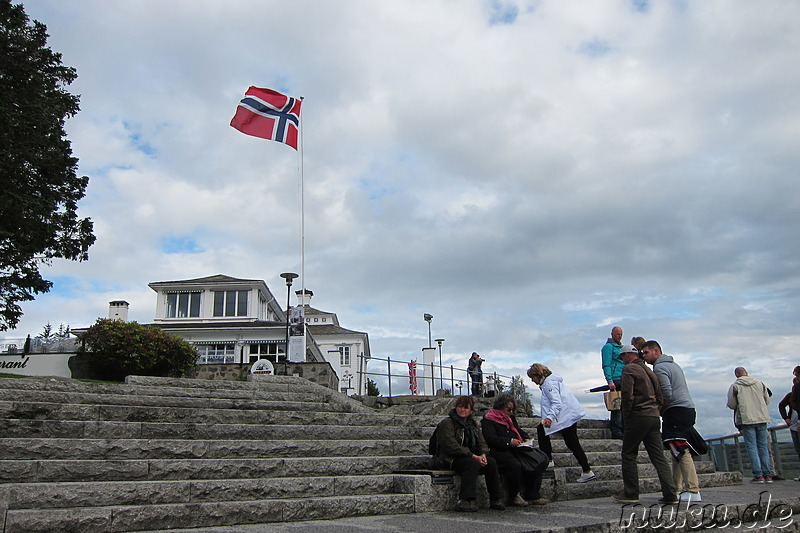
(797, 478)
(551, 464)
(690, 497)
(586, 476)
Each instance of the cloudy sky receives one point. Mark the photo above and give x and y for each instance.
(530, 173)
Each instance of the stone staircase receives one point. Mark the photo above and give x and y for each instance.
(161, 453)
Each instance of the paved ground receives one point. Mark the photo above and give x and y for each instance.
(781, 499)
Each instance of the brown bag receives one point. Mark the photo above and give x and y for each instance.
(613, 400)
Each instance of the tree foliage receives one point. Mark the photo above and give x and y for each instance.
(521, 396)
(116, 349)
(372, 388)
(40, 187)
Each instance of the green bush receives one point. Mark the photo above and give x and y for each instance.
(116, 349)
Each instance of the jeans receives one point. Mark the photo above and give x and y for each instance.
(755, 440)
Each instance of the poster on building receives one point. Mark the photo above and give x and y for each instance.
(297, 334)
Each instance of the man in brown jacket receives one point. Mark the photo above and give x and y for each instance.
(641, 403)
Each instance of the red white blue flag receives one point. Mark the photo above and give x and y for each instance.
(270, 115)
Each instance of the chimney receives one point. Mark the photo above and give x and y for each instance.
(118, 310)
(304, 299)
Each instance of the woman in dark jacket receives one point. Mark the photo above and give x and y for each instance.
(503, 435)
(460, 445)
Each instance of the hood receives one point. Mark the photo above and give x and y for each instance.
(665, 359)
(552, 378)
(747, 381)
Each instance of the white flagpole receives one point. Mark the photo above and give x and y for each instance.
(302, 231)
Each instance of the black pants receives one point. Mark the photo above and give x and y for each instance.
(570, 436)
(528, 485)
(469, 468)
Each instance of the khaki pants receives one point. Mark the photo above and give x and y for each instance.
(683, 470)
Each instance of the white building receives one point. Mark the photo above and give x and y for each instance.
(346, 350)
(231, 320)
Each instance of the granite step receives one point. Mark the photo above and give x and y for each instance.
(119, 519)
(66, 470)
(125, 449)
(104, 493)
(645, 467)
(647, 484)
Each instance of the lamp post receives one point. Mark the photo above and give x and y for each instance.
(439, 342)
(288, 276)
(428, 317)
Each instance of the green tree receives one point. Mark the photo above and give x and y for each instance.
(372, 388)
(521, 396)
(116, 349)
(38, 180)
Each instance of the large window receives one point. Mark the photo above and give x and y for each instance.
(344, 356)
(183, 304)
(264, 351)
(216, 353)
(230, 303)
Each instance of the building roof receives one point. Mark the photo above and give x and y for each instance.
(217, 278)
(218, 324)
(331, 329)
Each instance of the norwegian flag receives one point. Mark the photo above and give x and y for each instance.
(270, 115)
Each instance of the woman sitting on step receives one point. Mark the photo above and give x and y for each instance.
(560, 412)
(460, 446)
(503, 435)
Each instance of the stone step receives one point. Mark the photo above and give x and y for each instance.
(118, 519)
(614, 472)
(147, 397)
(125, 449)
(100, 494)
(647, 484)
(77, 429)
(57, 470)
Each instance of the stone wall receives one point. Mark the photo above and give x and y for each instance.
(319, 373)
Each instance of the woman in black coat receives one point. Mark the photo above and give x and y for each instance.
(502, 433)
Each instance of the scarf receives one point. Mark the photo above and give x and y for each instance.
(501, 417)
(470, 430)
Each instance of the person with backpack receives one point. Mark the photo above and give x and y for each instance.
(459, 445)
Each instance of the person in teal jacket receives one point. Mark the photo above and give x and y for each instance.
(612, 370)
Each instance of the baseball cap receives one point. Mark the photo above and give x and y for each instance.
(629, 348)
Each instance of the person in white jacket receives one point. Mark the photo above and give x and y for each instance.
(560, 412)
(749, 399)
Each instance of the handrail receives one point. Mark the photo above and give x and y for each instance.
(437, 380)
(719, 454)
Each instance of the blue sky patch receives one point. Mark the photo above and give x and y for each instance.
(502, 13)
(180, 245)
(595, 48)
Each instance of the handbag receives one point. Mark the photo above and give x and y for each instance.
(533, 460)
(613, 399)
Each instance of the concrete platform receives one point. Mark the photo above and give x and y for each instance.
(732, 507)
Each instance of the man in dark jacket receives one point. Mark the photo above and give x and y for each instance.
(641, 404)
(461, 446)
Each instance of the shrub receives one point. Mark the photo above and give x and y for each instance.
(116, 349)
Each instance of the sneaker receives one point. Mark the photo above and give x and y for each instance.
(518, 501)
(466, 506)
(586, 476)
(497, 505)
(767, 479)
(757, 479)
(797, 478)
(539, 501)
(690, 497)
(551, 464)
(622, 498)
(668, 501)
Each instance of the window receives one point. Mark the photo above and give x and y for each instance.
(230, 303)
(216, 353)
(183, 304)
(264, 351)
(344, 356)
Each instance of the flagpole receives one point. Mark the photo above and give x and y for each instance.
(302, 230)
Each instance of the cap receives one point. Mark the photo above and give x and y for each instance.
(628, 348)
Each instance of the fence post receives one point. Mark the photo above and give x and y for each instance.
(452, 382)
(776, 452)
(738, 454)
(433, 380)
(389, 374)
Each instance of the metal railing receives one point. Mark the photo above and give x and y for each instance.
(432, 377)
(730, 455)
(23, 346)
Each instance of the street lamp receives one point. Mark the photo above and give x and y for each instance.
(439, 342)
(428, 318)
(288, 276)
